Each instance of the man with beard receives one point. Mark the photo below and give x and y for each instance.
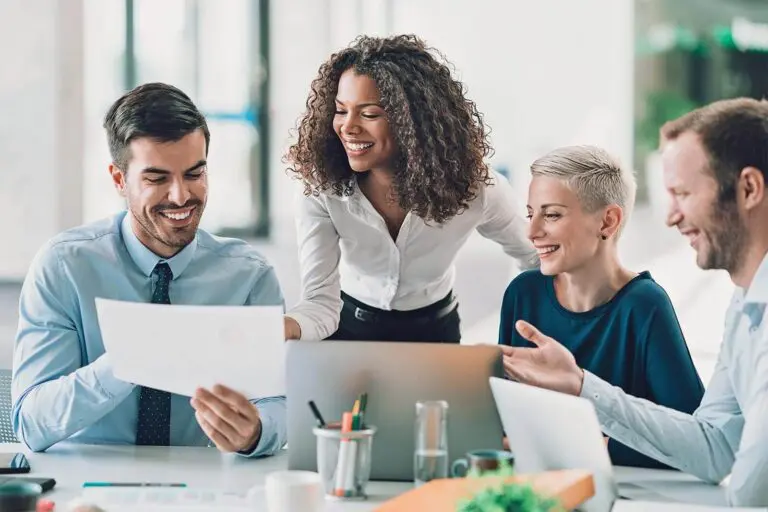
(63, 385)
(715, 161)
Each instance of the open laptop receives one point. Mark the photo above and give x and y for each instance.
(395, 376)
(549, 430)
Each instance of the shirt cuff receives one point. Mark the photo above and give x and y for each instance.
(599, 392)
(111, 386)
(309, 329)
(273, 427)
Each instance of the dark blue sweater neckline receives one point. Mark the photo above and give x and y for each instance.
(599, 310)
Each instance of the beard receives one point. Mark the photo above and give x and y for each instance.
(727, 237)
(153, 224)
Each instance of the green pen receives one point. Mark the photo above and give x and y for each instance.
(363, 404)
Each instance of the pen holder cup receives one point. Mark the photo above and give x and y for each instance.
(344, 461)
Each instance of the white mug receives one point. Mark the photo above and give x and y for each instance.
(294, 491)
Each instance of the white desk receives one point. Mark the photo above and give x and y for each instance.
(665, 485)
(205, 468)
(73, 464)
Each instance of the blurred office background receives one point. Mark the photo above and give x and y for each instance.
(545, 73)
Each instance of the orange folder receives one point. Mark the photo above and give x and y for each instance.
(571, 487)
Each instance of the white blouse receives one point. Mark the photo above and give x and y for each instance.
(344, 244)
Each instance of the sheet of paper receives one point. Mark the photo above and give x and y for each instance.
(126, 499)
(655, 506)
(179, 348)
(677, 487)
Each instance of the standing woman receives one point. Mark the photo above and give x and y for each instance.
(392, 157)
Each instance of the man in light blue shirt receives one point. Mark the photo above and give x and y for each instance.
(715, 163)
(63, 384)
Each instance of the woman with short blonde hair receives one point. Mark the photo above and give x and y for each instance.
(619, 324)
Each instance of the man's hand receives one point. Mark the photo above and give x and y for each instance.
(227, 418)
(550, 365)
(292, 328)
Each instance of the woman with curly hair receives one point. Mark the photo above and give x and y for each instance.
(391, 154)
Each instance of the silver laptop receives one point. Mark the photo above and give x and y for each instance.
(395, 376)
(549, 430)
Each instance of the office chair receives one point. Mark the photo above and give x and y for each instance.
(6, 407)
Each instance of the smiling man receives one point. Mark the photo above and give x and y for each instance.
(63, 384)
(715, 162)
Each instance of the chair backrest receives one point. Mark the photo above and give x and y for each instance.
(6, 408)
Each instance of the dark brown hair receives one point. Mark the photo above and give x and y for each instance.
(440, 136)
(155, 110)
(734, 134)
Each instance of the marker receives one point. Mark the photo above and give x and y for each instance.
(45, 506)
(132, 484)
(316, 413)
(346, 460)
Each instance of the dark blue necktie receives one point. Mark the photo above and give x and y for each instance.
(154, 425)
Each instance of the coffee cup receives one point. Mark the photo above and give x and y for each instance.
(481, 461)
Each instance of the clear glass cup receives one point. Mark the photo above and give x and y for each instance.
(430, 459)
(344, 461)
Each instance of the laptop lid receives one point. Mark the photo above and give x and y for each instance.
(549, 430)
(395, 376)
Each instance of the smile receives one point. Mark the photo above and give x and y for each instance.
(358, 146)
(546, 250)
(177, 215)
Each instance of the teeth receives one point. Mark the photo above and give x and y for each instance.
(177, 216)
(359, 146)
(547, 250)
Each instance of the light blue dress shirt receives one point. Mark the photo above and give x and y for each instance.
(63, 386)
(728, 433)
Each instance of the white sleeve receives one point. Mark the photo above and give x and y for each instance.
(318, 311)
(504, 223)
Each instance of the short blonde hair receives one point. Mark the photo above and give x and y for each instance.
(596, 176)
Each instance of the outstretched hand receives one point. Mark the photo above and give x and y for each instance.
(547, 365)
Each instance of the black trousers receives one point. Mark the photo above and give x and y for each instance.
(438, 322)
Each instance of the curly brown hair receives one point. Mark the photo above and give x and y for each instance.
(440, 136)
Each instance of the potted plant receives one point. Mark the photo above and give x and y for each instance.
(507, 497)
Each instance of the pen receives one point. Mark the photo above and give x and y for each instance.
(132, 484)
(363, 405)
(316, 413)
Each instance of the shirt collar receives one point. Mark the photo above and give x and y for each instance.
(758, 288)
(146, 259)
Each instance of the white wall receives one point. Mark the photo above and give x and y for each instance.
(40, 126)
(544, 72)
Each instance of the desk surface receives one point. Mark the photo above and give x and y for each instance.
(207, 468)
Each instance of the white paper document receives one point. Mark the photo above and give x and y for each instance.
(655, 506)
(123, 499)
(179, 348)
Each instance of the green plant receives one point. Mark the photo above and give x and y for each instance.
(660, 107)
(507, 497)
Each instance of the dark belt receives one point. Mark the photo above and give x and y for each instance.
(369, 314)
